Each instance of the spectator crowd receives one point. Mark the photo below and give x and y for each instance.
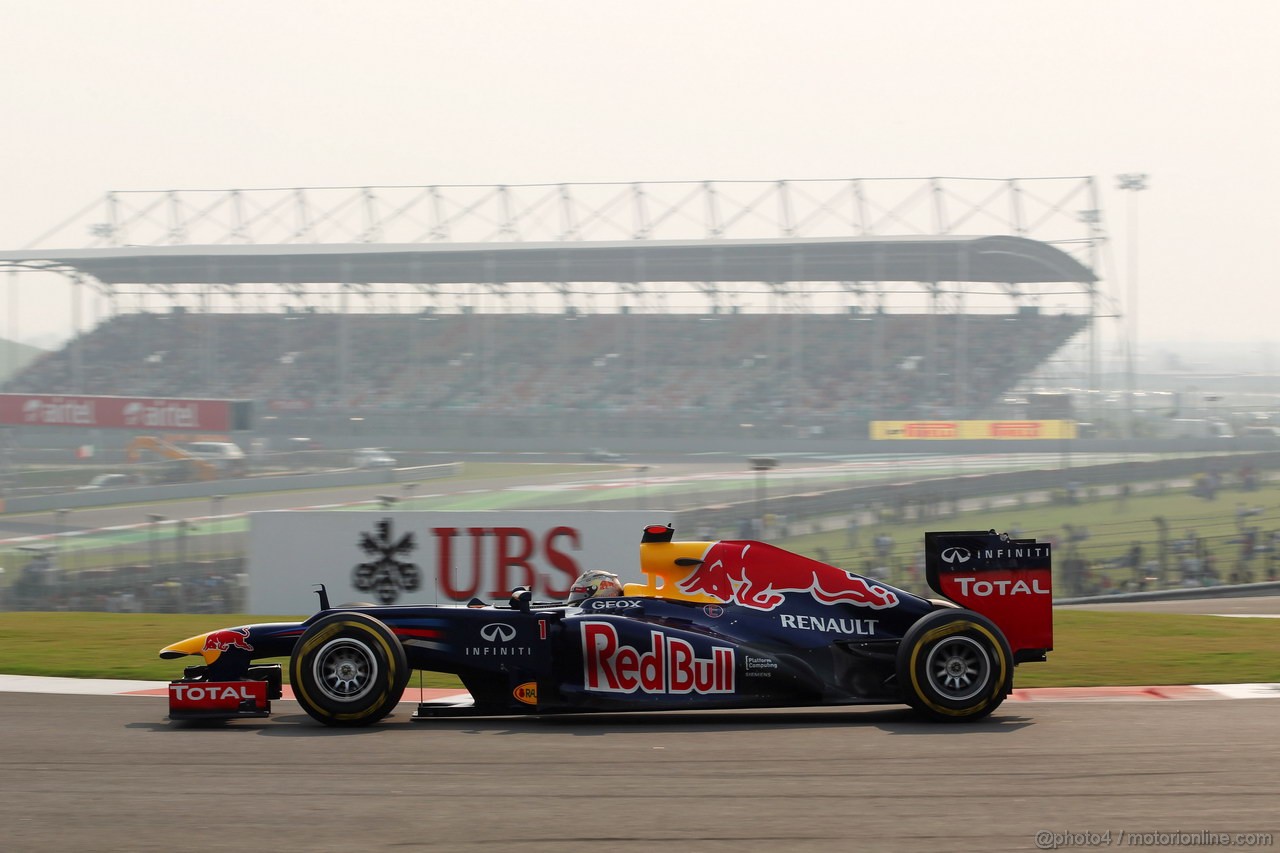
(887, 366)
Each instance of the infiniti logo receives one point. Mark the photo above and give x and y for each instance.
(498, 632)
(955, 555)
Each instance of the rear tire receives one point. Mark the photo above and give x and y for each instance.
(955, 665)
(348, 669)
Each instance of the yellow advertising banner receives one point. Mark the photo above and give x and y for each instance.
(952, 430)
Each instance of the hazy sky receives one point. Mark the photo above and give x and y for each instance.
(158, 95)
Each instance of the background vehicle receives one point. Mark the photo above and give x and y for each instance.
(184, 464)
(599, 454)
(726, 624)
(108, 481)
(226, 456)
(1195, 428)
(374, 457)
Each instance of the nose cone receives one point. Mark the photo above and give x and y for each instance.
(191, 646)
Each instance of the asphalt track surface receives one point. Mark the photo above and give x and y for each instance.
(109, 773)
(44, 523)
(660, 467)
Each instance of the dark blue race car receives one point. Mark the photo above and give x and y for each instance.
(725, 624)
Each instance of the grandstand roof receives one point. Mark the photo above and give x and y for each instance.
(916, 259)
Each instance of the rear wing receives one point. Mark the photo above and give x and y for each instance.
(1007, 580)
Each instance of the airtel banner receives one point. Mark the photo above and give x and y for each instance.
(434, 557)
(45, 410)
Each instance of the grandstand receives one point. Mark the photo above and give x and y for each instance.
(819, 368)
(803, 305)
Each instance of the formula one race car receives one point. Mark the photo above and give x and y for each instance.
(726, 624)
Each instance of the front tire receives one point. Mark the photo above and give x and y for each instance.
(348, 669)
(955, 665)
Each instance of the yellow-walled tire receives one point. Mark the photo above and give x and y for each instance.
(348, 669)
(954, 666)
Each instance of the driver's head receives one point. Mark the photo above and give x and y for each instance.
(594, 584)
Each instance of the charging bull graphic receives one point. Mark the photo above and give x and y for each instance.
(756, 576)
(228, 639)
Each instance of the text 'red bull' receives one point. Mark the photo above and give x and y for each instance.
(228, 639)
(669, 666)
(755, 575)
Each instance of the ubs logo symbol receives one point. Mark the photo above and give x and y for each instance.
(955, 555)
(498, 632)
(386, 574)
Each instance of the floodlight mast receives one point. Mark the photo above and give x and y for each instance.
(1132, 183)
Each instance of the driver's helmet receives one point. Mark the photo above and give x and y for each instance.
(594, 584)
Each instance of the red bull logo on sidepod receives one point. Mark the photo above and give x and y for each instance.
(227, 639)
(756, 576)
(669, 666)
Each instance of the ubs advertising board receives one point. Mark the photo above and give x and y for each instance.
(428, 557)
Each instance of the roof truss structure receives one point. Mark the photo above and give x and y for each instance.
(857, 236)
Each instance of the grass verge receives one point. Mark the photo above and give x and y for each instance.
(119, 645)
(1092, 648)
